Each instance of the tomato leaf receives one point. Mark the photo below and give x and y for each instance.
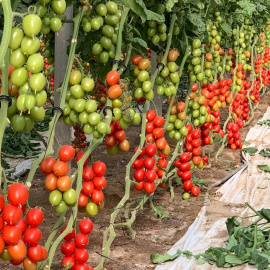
(231, 223)
(247, 8)
(264, 122)
(227, 29)
(139, 8)
(200, 261)
(250, 150)
(169, 4)
(265, 152)
(260, 261)
(158, 258)
(233, 259)
(139, 41)
(264, 168)
(197, 21)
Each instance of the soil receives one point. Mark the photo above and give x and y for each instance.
(153, 234)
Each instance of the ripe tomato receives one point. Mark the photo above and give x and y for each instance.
(120, 135)
(150, 115)
(60, 168)
(158, 133)
(149, 187)
(34, 217)
(195, 191)
(112, 77)
(142, 151)
(185, 157)
(99, 168)
(196, 151)
(51, 182)
(86, 226)
(139, 175)
(32, 236)
(22, 224)
(81, 266)
(196, 160)
(80, 155)
(99, 182)
(70, 235)
(87, 188)
(88, 174)
(149, 163)
(115, 91)
(2, 244)
(184, 167)
(2, 202)
(162, 163)
(46, 165)
(110, 141)
(188, 185)
(68, 262)
(149, 127)
(136, 59)
(81, 255)
(186, 175)
(18, 194)
(150, 150)
(11, 234)
(68, 248)
(81, 240)
(159, 121)
(138, 163)
(82, 200)
(139, 186)
(18, 251)
(64, 183)
(97, 196)
(66, 153)
(150, 175)
(12, 214)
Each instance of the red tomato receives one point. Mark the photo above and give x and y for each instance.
(139, 175)
(138, 163)
(149, 187)
(81, 255)
(195, 191)
(185, 157)
(82, 266)
(97, 196)
(88, 174)
(112, 77)
(18, 251)
(139, 186)
(158, 133)
(120, 135)
(136, 59)
(46, 166)
(32, 236)
(159, 121)
(80, 155)
(68, 248)
(70, 235)
(2, 202)
(149, 163)
(150, 175)
(150, 115)
(87, 188)
(86, 226)
(99, 168)
(66, 153)
(186, 175)
(22, 224)
(12, 214)
(68, 262)
(81, 240)
(184, 167)
(196, 133)
(82, 200)
(110, 141)
(149, 127)
(150, 150)
(18, 194)
(60, 168)
(11, 234)
(162, 163)
(196, 143)
(34, 217)
(142, 152)
(188, 185)
(99, 182)
(196, 151)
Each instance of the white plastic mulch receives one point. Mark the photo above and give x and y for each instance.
(248, 185)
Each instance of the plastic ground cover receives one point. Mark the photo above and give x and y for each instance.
(249, 185)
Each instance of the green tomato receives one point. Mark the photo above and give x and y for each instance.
(79, 105)
(29, 123)
(97, 135)
(90, 106)
(55, 24)
(114, 39)
(35, 63)
(30, 102)
(13, 108)
(112, 7)
(102, 128)
(94, 118)
(136, 119)
(151, 32)
(37, 82)
(105, 42)
(195, 113)
(37, 113)
(83, 117)
(88, 129)
(155, 39)
(168, 91)
(170, 127)
(172, 118)
(178, 123)
(74, 116)
(16, 38)
(101, 10)
(41, 98)
(71, 102)
(108, 31)
(196, 122)
(104, 57)
(143, 76)
(197, 52)
(55, 197)
(58, 6)
(177, 135)
(196, 43)
(97, 49)
(159, 80)
(171, 134)
(87, 27)
(19, 76)
(203, 110)
(186, 196)
(147, 86)
(172, 66)
(162, 28)
(70, 196)
(160, 90)
(149, 95)
(61, 208)
(123, 124)
(91, 209)
(67, 111)
(165, 72)
(21, 103)
(117, 114)
(76, 91)
(184, 131)
(202, 119)
(138, 93)
(17, 58)
(67, 121)
(112, 20)
(112, 150)
(174, 77)
(31, 25)
(17, 122)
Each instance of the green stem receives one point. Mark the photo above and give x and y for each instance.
(6, 32)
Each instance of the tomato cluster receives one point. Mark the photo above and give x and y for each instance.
(168, 77)
(144, 87)
(20, 236)
(57, 181)
(79, 141)
(151, 163)
(110, 14)
(93, 184)
(74, 247)
(234, 135)
(116, 140)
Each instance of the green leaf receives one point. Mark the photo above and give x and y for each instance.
(232, 242)
(196, 21)
(227, 29)
(264, 168)
(169, 4)
(218, 2)
(260, 261)
(139, 41)
(265, 152)
(264, 122)
(261, 7)
(265, 213)
(250, 150)
(158, 258)
(200, 261)
(139, 8)
(247, 7)
(233, 259)
(231, 223)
